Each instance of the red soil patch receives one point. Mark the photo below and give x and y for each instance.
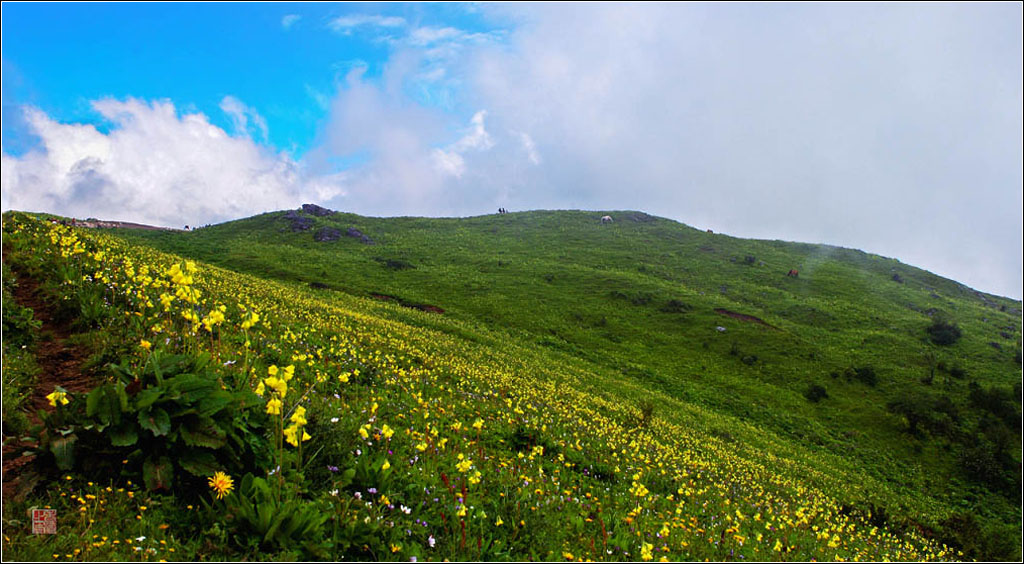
(744, 317)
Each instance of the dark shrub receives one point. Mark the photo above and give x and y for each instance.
(816, 393)
(676, 306)
(394, 264)
(865, 374)
(997, 401)
(944, 332)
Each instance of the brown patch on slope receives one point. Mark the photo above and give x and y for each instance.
(60, 364)
(744, 317)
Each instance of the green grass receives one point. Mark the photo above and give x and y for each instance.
(604, 293)
(592, 323)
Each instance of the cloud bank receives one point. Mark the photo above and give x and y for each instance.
(155, 166)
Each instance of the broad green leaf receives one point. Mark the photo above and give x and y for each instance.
(63, 449)
(156, 421)
(215, 402)
(123, 435)
(199, 462)
(202, 431)
(104, 405)
(148, 397)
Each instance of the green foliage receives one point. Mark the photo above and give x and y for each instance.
(170, 422)
(262, 518)
(815, 393)
(863, 374)
(646, 412)
(845, 311)
(943, 332)
(20, 328)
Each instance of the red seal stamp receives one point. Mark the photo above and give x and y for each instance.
(44, 521)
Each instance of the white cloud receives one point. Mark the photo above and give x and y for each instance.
(450, 160)
(345, 24)
(155, 166)
(426, 35)
(529, 146)
(289, 20)
(240, 115)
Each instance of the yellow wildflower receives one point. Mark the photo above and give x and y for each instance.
(222, 484)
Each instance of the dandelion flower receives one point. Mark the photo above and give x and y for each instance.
(222, 484)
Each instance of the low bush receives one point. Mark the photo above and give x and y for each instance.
(815, 393)
(943, 332)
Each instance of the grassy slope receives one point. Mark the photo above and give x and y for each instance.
(564, 281)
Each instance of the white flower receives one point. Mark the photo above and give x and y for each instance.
(431, 541)
(334, 419)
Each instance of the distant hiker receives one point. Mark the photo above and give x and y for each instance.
(606, 219)
(793, 273)
(186, 228)
(710, 231)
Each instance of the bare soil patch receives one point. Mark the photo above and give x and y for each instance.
(744, 317)
(60, 364)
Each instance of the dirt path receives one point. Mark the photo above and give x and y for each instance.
(744, 317)
(59, 363)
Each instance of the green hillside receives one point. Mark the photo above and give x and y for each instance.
(639, 295)
(890, 391)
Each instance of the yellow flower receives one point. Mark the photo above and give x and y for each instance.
(278, 385)
(274, 407)
(290, 435)
(386, 465)
(145, 344)
(499, 522)
(222, 484)
(478, 424)
(645, 551)
(464, 466)
(386, 431)
(58, 395)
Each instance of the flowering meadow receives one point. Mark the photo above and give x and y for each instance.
(235, 418)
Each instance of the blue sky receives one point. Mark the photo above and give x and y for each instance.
(277, 57)
(892, 128)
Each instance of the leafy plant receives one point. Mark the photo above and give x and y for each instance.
(271, 521)
(172, 420)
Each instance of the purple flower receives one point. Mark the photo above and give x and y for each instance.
(332, 468)
(372, 490)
